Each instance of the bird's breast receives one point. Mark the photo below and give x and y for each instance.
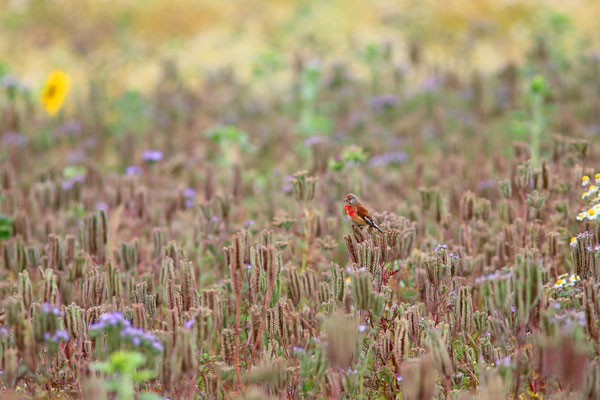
(350, 211)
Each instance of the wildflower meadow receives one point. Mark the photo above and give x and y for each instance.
(175, 218)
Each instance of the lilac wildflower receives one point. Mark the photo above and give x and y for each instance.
(189, 324)
(133, 170)
(381, 102)
(57, 337)
(431, 84)
(48, 308)
(315, 140)
(388, 158)
(15, 139)
(440, 247)
(140, 337)
(189, 193)
(152, 155)
(110, 319)
(70, 128)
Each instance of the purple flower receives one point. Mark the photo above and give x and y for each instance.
(133, 170)
(388, 158)
(139, 337)
(287, 188)
(15, 139)
(248, 223)
(47, 308)
(592, 129)
(505, 362)
(158, 346)
(10, 82)
(189, 193)
(431, 84)
(110, 319)
(152, 155)
(68, 184)
(77, 156)
(56, 337)
(399, 378)
(189, 203)
(90, 143)
(362, 328)
(315, 140)
(486, 184)
(70, 128)
(101, 206)
(189, 324)
(382, 102)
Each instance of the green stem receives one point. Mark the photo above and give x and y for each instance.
(536, 130)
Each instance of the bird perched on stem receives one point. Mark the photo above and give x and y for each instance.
(358, 214)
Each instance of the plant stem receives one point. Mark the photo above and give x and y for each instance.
(237, 342)
(536, 130)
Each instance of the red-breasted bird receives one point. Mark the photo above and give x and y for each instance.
(357, 213)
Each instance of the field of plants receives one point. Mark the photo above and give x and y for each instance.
(173, 228)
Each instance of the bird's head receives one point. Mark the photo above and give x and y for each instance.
(351, 199)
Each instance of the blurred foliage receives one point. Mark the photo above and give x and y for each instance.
(106, 37)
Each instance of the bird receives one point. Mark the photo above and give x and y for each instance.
(357, 213)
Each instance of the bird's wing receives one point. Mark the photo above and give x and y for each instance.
(364, 214)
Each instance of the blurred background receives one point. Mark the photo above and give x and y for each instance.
(125, 41)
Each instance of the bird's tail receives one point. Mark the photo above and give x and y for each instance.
(373, 224)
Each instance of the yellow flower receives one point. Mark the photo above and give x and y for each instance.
(573, 239)
(558, 282)
(585, 180)
(55, 91)
(597, 178)
(348, 280)
(591, 212)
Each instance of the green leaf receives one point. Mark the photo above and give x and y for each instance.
(143, 376)
(126, 362)
(5, 220)
(73, 171)
(5, 232)
(149, 396)
(103, 366)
